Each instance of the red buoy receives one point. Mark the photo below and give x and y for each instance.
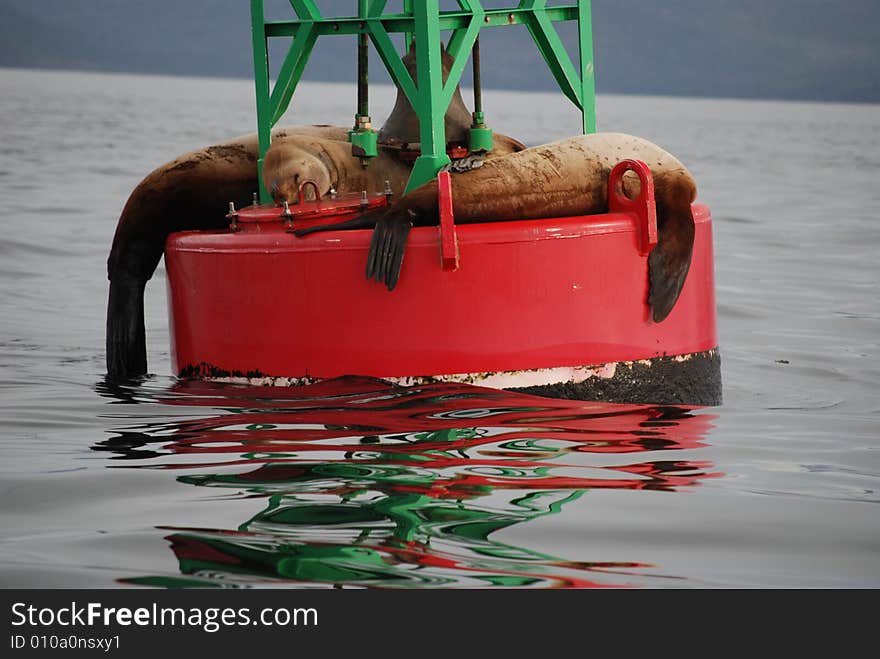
(555, 306)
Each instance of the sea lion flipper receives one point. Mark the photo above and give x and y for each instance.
(666, 275)
(388, 246)
(670, 260)
(372, 256)
(376, 256)
(400, 233)
(126, 340)
(384, 247)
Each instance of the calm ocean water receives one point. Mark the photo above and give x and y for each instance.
(165, 484)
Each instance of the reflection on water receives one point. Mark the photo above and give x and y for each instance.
(365, 484)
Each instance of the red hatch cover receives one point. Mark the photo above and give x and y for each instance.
(326, 209)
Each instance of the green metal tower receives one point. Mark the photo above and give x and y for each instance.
(429, 96)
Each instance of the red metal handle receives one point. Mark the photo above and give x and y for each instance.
(449, 256)
(302, 194)
(643, 206)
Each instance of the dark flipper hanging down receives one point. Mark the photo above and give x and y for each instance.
(391, 227)
(126, 339)
(388, 246)
(191, 192)
(670, 260)
(668, 265)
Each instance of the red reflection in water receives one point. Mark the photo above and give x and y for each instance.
(397, 471)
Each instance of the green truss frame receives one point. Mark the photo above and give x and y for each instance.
(429, 96)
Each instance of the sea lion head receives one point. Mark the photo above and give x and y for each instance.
(288, 165)
(402, 125)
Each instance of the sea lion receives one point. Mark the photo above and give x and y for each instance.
(292, 160)
(192, 192)
(402, 125)
(568, 177)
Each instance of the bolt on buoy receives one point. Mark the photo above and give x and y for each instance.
(232, 216)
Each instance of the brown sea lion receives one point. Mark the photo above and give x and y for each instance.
(402, 125)
(568, 177)
(192, 192)
(329, 163)
(292, 160)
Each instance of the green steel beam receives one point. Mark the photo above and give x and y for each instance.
(428, 95)
(292, 70)
(429, 106)
(588, 70)
(449, 20)
(262, 84)
(552, 50)
(407, 36)
(460, 45)
(306, 9)
(391, 59)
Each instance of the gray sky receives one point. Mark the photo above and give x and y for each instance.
(788, 49)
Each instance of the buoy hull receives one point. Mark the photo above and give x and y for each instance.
(532, 304)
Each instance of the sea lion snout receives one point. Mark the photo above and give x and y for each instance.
(285, 190)
(288, 166)
(291, 188)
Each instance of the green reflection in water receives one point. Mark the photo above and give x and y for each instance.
(410, 508)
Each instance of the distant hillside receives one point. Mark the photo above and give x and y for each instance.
(787, 49)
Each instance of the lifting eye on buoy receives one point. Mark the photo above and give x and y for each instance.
(302, 190)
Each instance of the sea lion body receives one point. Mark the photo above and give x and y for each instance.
(402, 125)
(193, 191)
(292, 160)
(563, 178)
(190, 192)
(566, 177)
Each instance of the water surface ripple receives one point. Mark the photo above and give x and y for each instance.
(357, 484)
